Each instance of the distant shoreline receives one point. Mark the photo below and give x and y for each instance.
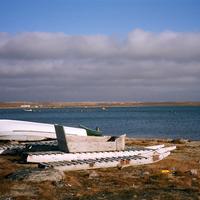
(25, 105)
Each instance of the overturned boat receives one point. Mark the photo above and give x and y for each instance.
(32, 131)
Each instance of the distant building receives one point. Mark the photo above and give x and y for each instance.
(25, 106)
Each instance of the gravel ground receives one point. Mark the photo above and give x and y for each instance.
(176, 177)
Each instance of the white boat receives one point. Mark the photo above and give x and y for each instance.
(28, 110)
(32, 131)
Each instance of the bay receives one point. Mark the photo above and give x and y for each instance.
(145, 121)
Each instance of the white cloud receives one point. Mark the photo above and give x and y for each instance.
(144, 66)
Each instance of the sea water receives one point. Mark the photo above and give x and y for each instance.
(145, 121)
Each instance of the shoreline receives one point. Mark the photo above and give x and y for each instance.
(40, 105)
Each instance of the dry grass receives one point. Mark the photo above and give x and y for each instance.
(141, 182)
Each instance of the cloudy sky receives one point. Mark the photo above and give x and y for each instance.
(100, 50)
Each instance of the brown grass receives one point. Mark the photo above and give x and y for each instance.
(127, 183)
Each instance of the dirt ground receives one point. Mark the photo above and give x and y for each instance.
(176, 177)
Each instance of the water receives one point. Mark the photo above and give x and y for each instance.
(159, 122)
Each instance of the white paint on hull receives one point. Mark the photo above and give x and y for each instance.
(30, 131)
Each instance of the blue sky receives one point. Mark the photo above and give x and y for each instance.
(99, 16)
(100, 50)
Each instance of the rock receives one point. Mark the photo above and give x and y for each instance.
(59, 184)
(46, 175)
(37, 175)
(194, 172)
(19, 174)
(93, 174)
(135, 186)
(180, 141)
(146, 173)
(170, 176)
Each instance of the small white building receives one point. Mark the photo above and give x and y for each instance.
(25, 106)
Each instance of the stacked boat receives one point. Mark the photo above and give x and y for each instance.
(32, 131)
(78, 151)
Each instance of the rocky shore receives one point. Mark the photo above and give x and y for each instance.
(176, 177)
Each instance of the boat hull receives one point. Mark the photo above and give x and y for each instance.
(32, 131)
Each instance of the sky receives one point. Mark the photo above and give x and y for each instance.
(99, 50)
